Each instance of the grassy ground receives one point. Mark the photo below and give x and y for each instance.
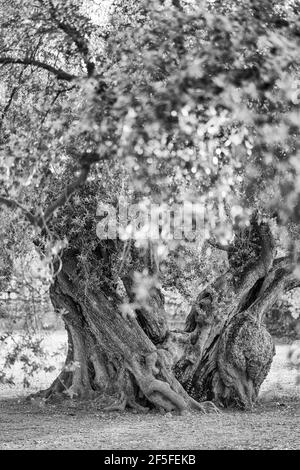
(273, 424)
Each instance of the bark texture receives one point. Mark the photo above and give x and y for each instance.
(223, 356)
(229, 351)
(119, 359)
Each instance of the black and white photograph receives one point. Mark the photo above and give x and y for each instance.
(149, 227)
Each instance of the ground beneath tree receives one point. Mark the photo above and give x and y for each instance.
(26, 426)
(273, 424)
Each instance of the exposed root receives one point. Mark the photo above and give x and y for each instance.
(66, 386)
(155, 383)
(210, 407)
(167, 395)
(155, 390)
(136, 406)
(78, 391)
(56, 389)
(161, 393)
(118, 405)
(204, 406)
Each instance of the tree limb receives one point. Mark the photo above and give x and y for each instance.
(291, 284)
(59, 73)
(40, 220)
(286, 266)
(64, 196)
(12, 204)
(74, 35)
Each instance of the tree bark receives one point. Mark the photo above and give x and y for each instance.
(223, 356)
(229, 352)
(110, 356)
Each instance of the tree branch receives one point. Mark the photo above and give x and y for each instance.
(59, 73)
(12, 204)
(286, 265)
(39, 220)
(64, 196)
(74, 35)
(291, 284)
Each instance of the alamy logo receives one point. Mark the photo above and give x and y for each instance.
(147, 220)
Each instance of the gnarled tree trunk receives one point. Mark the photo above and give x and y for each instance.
(229, 351)
(226, 351)
(119, 359)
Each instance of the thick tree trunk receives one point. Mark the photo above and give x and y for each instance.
(110, 356)
(224, 355)
(230, 359)
(229, 351)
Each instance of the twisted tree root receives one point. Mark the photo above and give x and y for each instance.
(123, 402)
(160, 392)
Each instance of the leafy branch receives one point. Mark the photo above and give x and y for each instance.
(39, 220)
